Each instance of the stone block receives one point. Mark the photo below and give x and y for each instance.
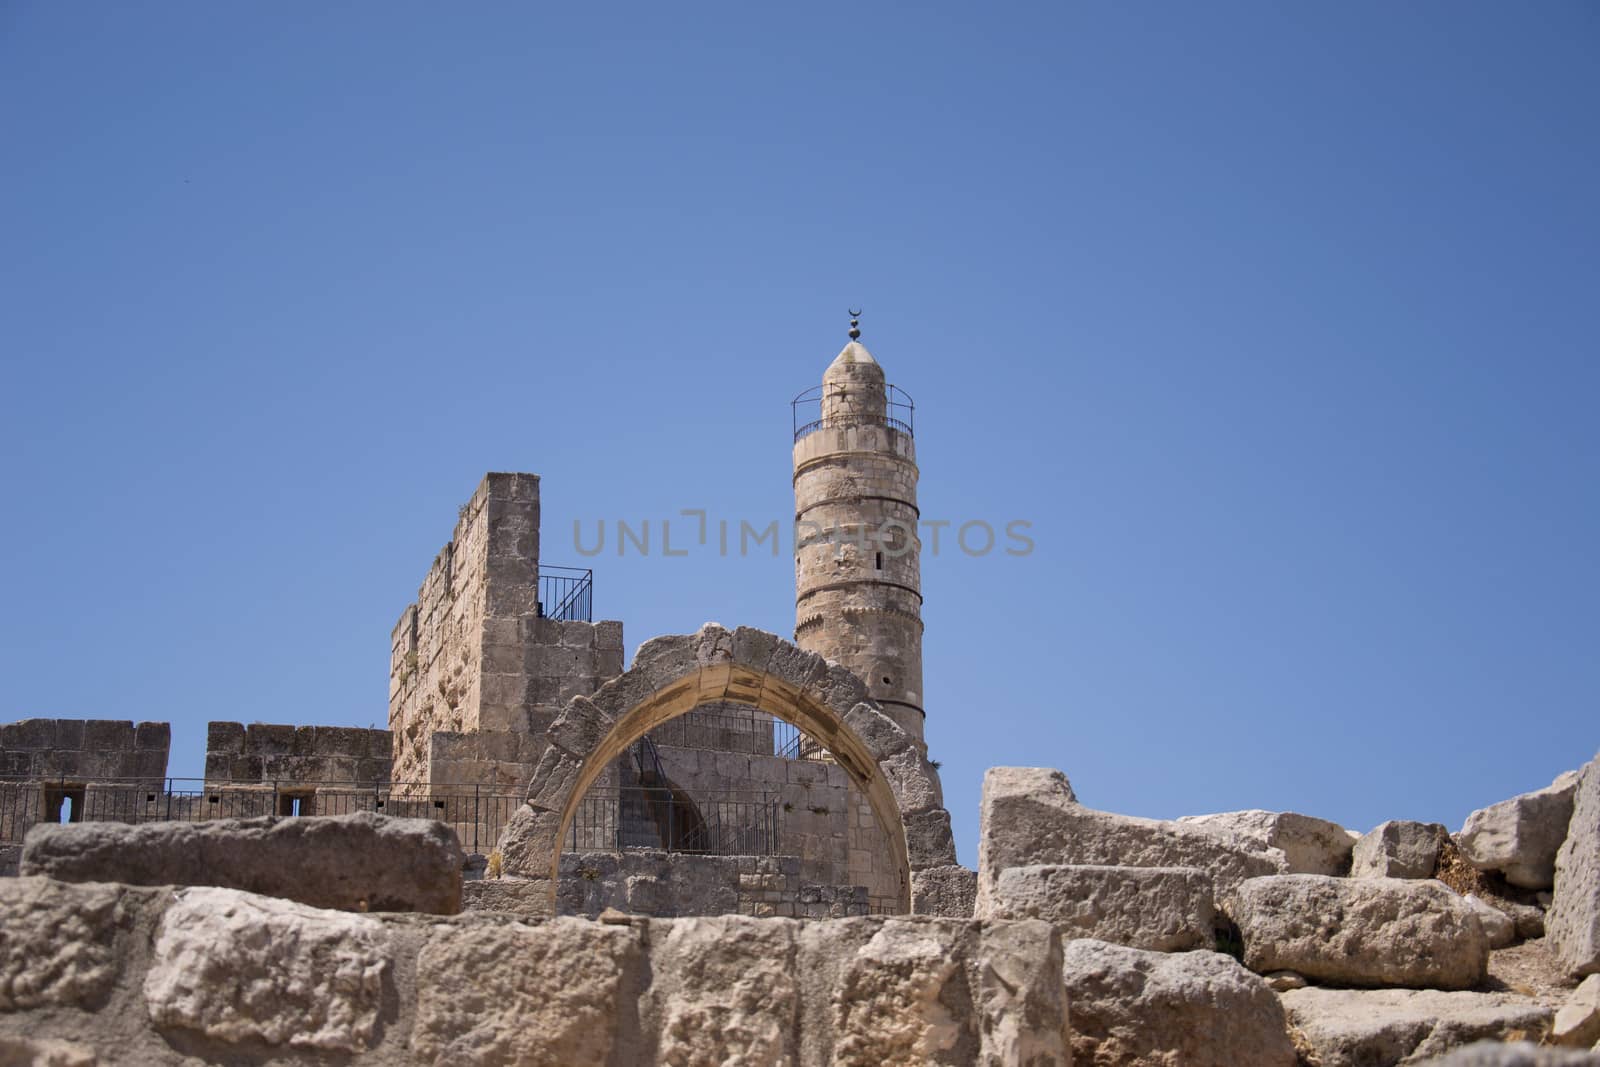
(245, 769)
(914, 780)
(1577, 1022)
(1163, 909)
(608, 636)
(553, 780)
(373, 770)
(69, 733)
(60, 943)
(928, 991)
(1498, 927)
(929, 842)
(724, 990)
(241, 968)
(1572, 924)
(152, 736)
(107, 734)
(147, 764)
(1309, 845)
(55, 763)
(1362, 931)
(607, 663)
(1520, 837)
(947, 891)
(28, 734)
(840, 689)
(528, 841)
(623, 693)
(1399, 848)
(361, 862)
(1380, 1027)
(340, 741)
(21, 1051)
(548, 995)
(1197, 1009)
(1029, 816)
(269, 739)
(882, 736)
(1494, 1053)
(518, 896)
(226, 738)
(580, 728)
(305, 742)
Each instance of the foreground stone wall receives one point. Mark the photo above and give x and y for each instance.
(101, 974)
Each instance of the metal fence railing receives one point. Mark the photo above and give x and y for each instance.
(667, 819)
(899, 413)
(476, 813)
(743, 730)
(566, 593)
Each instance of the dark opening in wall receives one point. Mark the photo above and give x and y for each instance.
(295, 803)
(880, 561)
(64, 803)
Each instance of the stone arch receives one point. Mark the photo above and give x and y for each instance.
(673, 675)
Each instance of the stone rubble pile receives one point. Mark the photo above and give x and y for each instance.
(1367, 959)
(1243, 939)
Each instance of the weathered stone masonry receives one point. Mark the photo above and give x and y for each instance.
(476, 674)
(55, 768)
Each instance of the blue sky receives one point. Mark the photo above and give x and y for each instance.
(1276, 321)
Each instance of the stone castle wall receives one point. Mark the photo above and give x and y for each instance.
(113, 974)
(488, 571)
(274, 752)
(51, 769)
(473, 660)
(84, 748)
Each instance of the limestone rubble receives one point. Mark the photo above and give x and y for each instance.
(1071, 957)
(1573, 922)
(1362, 931)
(1519, 837)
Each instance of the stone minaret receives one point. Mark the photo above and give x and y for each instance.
(858, 575)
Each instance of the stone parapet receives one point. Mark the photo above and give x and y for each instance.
(156, 976)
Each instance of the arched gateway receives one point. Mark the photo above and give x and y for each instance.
(673, 675)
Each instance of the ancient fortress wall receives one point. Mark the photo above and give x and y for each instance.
(84, 748)
(63, 768)
(274, 752)
(474, 660)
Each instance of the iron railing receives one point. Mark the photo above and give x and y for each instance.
(476, 813)
(899, 413)
(663, 819)
(743, 730)
(566, 593)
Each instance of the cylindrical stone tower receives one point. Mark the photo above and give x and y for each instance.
(858, 574)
